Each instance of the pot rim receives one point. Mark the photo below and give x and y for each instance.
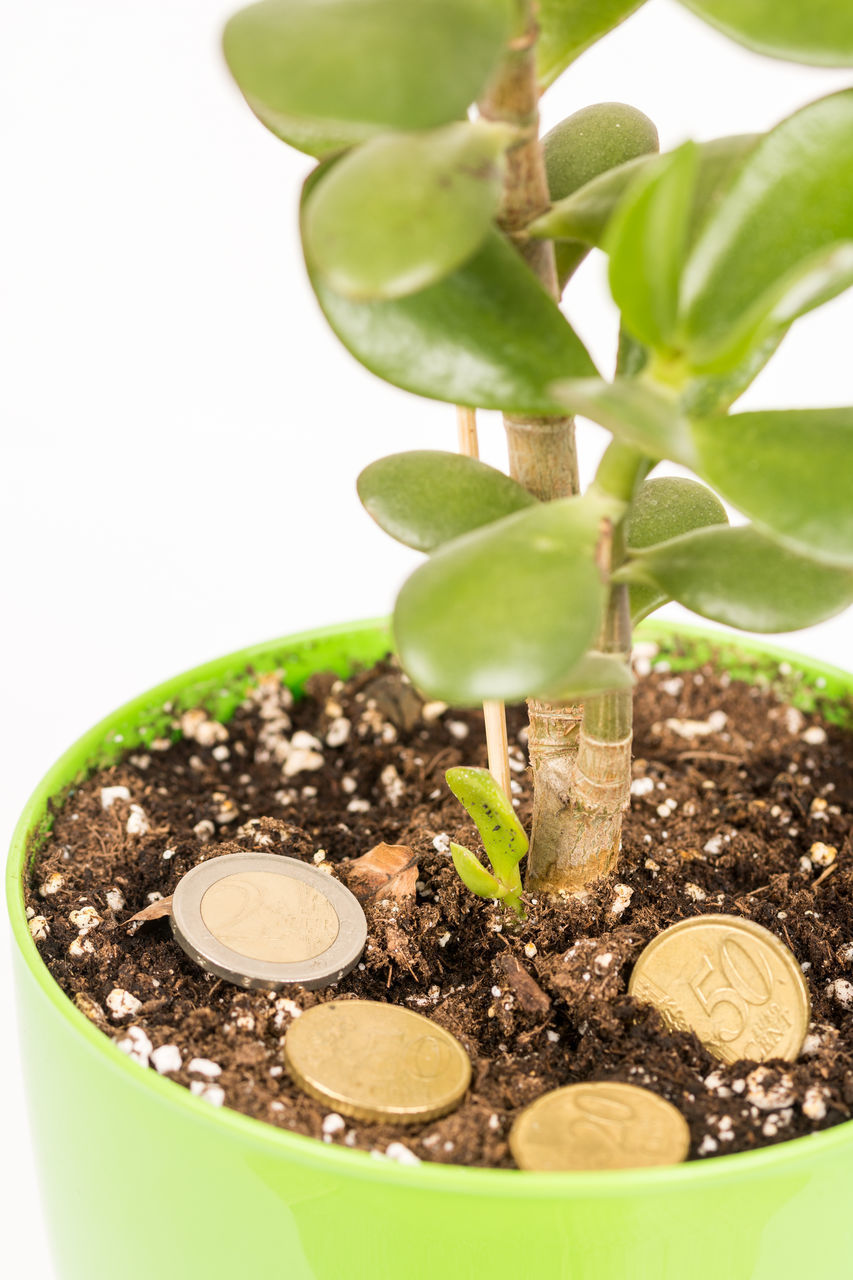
(336, 1159)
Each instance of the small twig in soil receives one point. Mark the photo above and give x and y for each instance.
(824, 874)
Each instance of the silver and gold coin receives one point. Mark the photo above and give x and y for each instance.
(377, 1062)
(262, 920)
(730, 981)
(599, 1125)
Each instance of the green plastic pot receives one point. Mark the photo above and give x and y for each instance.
(137, 1170)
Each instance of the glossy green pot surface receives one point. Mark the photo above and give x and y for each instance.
(137, 1171)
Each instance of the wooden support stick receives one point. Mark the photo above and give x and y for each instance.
(494, 713)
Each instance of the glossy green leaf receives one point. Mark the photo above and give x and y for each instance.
(647, 242)
(582, 147)
(473, 874)
(488, 335)
(324, 74)
(568, 27)
(633, 412)
(789, 206)
(425, 498)
(585, 214)
(790, 471)
(404, 210)
(506, 611)
(741, 578)
(595, 673)
(491, 811)
(666, 507)
(713, 393)
(815, 31)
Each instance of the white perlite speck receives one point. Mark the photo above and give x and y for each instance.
(357, 805)
(137, 822)
(695, 891)
(714, 846)
(39, 928)
(212, 1093)
(84, 919)
(109, 795)
(814, 1103)
(841, 991)
(530, 950)
(623, 893)
(166, 1058)
(814, 736)
(51, 885)
(338, 732)
(81, 947)
(400, 1152)
(333, 1123)
(198, 726)
(135, 1044)
(115, 899)
(302, 761)
(392, 785)
(204, 1067)
(708, 1146)
(716, 722)
(642, 786)
(768, 1090)
(441, 842)
(122, 1004)
(823, 855)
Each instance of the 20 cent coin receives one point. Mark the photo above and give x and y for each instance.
(730, 981)
(377, 1061)
(600, 1125)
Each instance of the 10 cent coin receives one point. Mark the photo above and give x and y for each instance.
(377, 1061)
(262, 920)
(730, 981)
(599, 1125)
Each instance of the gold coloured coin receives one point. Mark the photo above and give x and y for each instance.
(377, 1061)
(730, 981)
(600, 1125)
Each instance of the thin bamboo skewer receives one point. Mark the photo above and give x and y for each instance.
(494, 713)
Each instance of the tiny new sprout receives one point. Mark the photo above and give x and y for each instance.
(502, 835)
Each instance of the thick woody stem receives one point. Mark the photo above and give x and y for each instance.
(542, 454)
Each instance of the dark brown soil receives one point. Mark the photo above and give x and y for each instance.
(728, 816)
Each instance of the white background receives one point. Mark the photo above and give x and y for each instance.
(181, 434)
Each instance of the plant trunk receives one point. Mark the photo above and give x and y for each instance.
(580, 758)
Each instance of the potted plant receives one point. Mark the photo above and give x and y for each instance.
(438, 246)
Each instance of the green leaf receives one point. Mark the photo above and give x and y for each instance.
(815, 31)
(741, 578)
(473, 874)
(664, 508)
(585, 214)
(790, 204)
(790, 471)
(568, 27)
(501, 832)
(582, 147)
(404, 210)
(647, 241)
(425, 498)
(713, 393)
(595, 673)
(506, 611)
(633, 412)
(488, 335)
(324, 74)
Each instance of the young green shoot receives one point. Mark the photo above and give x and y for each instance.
(502, 835)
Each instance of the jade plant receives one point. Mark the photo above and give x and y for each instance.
(440, 232)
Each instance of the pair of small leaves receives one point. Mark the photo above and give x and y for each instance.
(787, 470)
(326, 74)
(501, 832)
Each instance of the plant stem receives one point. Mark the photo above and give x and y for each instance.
(542, 452)
(599, 789)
